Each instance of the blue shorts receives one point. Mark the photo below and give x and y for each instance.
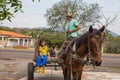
(40, 61)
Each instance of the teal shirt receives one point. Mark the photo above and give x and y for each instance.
(71, 26)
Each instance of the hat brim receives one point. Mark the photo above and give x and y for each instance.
(69, 16)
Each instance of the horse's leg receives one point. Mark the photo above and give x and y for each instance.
(74, 75)
(65, 73)
(79, 74)
(69, 73)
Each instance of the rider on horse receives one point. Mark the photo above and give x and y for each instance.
(72, 28)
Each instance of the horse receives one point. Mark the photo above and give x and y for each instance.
(87, 45)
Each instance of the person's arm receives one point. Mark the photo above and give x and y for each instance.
(76, 29)
(48, 54)
(41, 55)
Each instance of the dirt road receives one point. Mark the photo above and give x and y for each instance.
(13, 65)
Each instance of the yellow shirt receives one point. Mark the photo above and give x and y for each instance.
(43, 50)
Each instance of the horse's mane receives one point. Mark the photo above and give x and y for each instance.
(83, 37)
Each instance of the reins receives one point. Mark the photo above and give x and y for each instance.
(79, 58)
(75, 53)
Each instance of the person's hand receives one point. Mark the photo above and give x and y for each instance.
(69, 31)
(49, 56)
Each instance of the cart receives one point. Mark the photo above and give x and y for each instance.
(31, 66)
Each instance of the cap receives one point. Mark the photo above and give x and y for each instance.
(69, 15)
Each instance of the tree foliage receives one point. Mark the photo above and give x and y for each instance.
(112, 47)
(85, 13)
(8, 8)
(54, 38)
(112, 44)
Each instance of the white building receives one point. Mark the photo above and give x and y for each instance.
(11, 39)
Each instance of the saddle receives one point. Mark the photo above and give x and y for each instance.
(66, 45)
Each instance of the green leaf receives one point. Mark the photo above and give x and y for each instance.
(16, 8)
(7, 6)
(20, 5)
(16, 11)
(9, 18)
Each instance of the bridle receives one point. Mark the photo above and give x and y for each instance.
(79, 58)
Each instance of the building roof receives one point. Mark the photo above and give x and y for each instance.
(13, 34)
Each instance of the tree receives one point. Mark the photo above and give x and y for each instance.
(9, 7)
(51, 37)
(5, 28)
(54, 38)
(112, 44)
(85, 13)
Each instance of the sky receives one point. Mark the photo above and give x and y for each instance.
(33, 15)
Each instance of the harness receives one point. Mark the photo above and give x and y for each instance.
(75, 57)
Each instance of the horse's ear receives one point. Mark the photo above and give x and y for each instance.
(102, 29)
(90, 29)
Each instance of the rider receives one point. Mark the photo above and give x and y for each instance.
(42, 57)
(72, 28)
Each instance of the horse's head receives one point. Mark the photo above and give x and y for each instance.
(95, 44)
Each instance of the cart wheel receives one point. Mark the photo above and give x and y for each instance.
(30, 71)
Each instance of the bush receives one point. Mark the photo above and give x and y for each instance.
(112, 47)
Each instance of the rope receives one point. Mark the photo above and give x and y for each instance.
(70, 63)
(80, 58)
(91, 64)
